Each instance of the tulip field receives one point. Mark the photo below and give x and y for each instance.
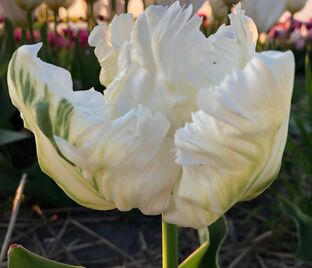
(162, 133)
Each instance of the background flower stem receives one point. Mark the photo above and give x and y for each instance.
(30, 25)
(55, 15)
(169, 245)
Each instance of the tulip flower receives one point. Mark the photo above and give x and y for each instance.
(219, 10)
(294, 6)
(230, 3)
(13, 12)
(229, 139)
(265, 13)
(56, 4)
(135, 7)
(28, 5)
(197, 4)
(188, 125)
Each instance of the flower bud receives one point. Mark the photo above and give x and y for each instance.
(56, 4)
(294, 6)
(28, 5)
(13, 12)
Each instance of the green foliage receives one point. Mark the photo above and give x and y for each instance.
(297, 169)
(308, 74)
(39, 186)
(9, 136)
(7, 47)
(20, 257)
(207, 255)
(85, 68)
(303, 224)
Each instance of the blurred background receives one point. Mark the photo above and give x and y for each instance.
(275, 230)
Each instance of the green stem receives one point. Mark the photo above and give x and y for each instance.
(126, 5)
(90, 15)
(30, 25)
(55, 16)
(23, 36)
(169, 245)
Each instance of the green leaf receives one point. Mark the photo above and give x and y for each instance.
(20, 257)
(9, 136)
(8, 47)
(39, 186)
(85, 67)
(45, 53)
(303, 224)
(7, 173)
(308, 75)
(207, 255)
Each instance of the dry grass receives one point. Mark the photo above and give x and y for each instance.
(113, 239)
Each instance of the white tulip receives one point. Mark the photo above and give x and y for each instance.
(214, 105)
(231, 151)
(265, 13)
(56, 4)
(230, 3)
(13, 12)
(29, 5)
(135, 7)
(294, 6)
(197, 4)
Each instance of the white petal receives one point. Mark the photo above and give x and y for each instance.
(250, 109)
(43, 94)
(107, 40)
(196, 4)
(265, 13)
(162, 75)
(231, 47)
(169, 59)
(233, 148)
(131, 160)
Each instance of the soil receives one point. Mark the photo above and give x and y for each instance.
(98, 239)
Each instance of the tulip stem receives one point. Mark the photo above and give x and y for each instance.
(30, 25)
(55, 16)
(170, 250)
(126, 5)
(90, 15)
(24, 36)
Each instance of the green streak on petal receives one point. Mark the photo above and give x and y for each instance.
(43, 119)
(95, 184)
(63, 115)
(28, 91)
(12, 69)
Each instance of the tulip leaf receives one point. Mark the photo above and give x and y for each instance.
(19, 257)
(9, 136)
(308, 77)
(8, 46)
(85, 67)
(39, 186)
(45, 52)
(303, 224)
(207, 255)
